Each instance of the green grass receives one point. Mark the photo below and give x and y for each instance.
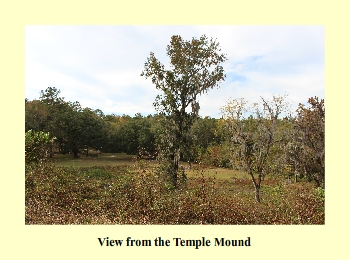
(104, 159)
(219, 173)
(122, 159)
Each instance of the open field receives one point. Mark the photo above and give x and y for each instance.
(118, 189)
(103, 159)
(121, 159)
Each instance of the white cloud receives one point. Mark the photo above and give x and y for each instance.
(39, 77)
(100, 66)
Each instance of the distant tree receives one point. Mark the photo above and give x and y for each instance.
(128, 134)
(254, 136)
(203, 130)
(110, 143)
(74, 127)
(92, 129)
(36, 114)
(55, 121)
(207, 147)
(195, 67)
(145, 136)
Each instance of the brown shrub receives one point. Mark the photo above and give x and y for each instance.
(114, 195)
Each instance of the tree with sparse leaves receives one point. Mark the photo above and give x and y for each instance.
(255, 136)
(195, 67)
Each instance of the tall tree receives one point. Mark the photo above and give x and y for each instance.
(55, 116)
(195, 67)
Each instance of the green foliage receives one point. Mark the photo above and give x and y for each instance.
(73, 126)
(216, 155)
(320, 194)
(92, 128)
(36, 115)
(37, 146)
(85, 128)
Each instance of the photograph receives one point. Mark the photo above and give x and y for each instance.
(174, 125)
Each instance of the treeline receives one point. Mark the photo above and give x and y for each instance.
(259, 144)
(76, 128)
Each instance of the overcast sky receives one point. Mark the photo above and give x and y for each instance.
(100, 66)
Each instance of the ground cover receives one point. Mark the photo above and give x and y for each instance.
(122, 190)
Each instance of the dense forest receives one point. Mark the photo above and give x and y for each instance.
(78, 129)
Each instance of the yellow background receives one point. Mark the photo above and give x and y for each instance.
(19, 241)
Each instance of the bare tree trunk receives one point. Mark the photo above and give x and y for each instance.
(256, 186)
(75, 152)
(51, 151)
(257, 194)
(176, 166)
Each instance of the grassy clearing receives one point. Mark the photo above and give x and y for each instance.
(104, 159)
(219, 173)
(125, 191)
(121, 159)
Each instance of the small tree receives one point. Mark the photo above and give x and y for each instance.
(195, 68)
(254, 136)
